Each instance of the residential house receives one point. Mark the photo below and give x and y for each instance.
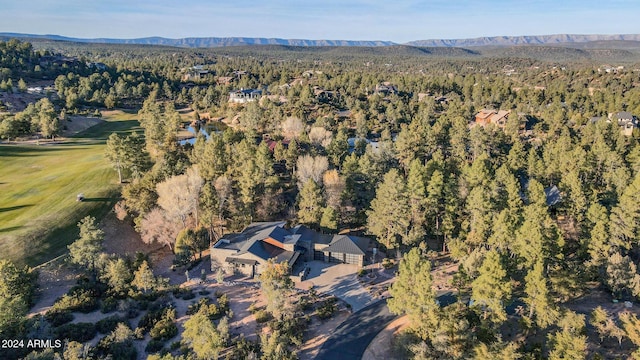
(97, 65)
(244, 95)
(322, 94)
(386, 88)
(248, 252)
(224, 80)
(486, 117)
(625, 120)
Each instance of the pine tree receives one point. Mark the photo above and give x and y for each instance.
(338, 149)
(622, 276)
(211, 157)
(310, 204)
(329, 220)
(625, 217)
(631, 326)
(569, 342)
(538, 237)
(412, 294)
(143, 278)
(538, 298)
(203, 337)
(577, 199)
(86, 249)
(416, 194)
(389, 217)
(118, 276)
(435, 201)
(276, 286)
(598, 245)
(491, 290)
(605, 325)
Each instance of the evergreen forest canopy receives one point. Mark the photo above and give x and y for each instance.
(431, 179)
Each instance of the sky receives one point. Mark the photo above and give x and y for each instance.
(391, 20)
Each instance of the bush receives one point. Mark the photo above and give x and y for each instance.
(149, 320)
(108, 324)
(214, 311)
(188, 296)
(305, 304)
(78, 300)
(108, 305)
(58, 317)
(80, 332)
(262, 316)
(192, 309)
(160, 324)
(154, 346)
(387, 263)
(327, 308)
(164, 329)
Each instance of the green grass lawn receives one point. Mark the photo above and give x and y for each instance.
(38, 188)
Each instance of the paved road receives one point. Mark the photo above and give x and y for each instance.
(351, 338)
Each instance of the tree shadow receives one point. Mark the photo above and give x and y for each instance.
(99, 199)
(11, 208)
(12, 228)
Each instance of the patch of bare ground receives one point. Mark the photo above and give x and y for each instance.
(120, 238)
(381, 347)
(54, 280)
(18, 101)
(443, 270)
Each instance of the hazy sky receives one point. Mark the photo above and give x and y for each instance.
(393, 20)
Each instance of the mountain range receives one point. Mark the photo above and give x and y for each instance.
(193, 42)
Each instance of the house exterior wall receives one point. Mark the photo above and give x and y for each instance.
(342, 258)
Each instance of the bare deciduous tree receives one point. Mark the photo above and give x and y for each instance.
(157, 227)
(334, 186)
(320, 136)
(311, 167)
(178, 195)
(292, 127)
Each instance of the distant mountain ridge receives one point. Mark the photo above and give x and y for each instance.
(524, 40)
(193, 42)
(208, 41)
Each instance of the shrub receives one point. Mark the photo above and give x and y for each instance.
(305, 304)
(362, 272)
(154, 346)
(262, 316)
(79, 300)
(164, 329)
(188, 296)
(108, 324)
(327, 308)
(108, 305)
(80, 332)
(149, 320)
(214, 311)
(192, 309)
(387, 263)
(58, 317)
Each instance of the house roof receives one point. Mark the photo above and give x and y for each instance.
(553, 195)
(250, 241)
(348, 245)
(240, 260)
(622, 115)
